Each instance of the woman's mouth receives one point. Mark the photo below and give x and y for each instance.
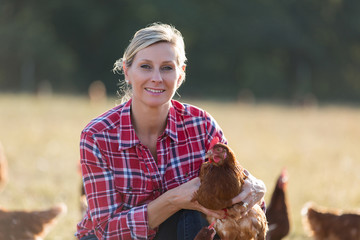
(154, 90)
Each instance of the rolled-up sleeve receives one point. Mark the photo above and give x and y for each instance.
(110, 219)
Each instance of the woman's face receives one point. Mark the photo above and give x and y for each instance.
(154, 75)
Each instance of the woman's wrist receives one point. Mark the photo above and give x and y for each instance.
(172, 199)
(161, 208)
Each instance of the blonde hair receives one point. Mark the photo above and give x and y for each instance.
(154, 33)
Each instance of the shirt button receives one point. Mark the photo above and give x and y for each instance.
(157, 190)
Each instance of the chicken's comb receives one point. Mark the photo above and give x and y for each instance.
(284, 175)
(214, 141)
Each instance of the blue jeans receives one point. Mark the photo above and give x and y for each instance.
(90, 237)
(183, 225)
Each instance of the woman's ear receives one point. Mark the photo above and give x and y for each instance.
(182, 76)
(184, 68)
(124, 69)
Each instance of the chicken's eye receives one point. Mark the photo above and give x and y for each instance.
(218, 150)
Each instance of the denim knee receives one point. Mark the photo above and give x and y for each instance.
(90, 237)
(190, 223)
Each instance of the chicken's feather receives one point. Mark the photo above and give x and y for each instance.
(29, 225)
(222, 180)
(277, 212)
(213, 193)
(332, 224)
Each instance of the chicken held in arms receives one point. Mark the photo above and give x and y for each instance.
(222, 178)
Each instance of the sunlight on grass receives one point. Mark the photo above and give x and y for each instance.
(41, 139)
(318, 146)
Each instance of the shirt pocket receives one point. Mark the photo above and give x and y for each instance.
(133, 190)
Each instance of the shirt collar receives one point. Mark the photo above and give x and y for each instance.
(126, 134)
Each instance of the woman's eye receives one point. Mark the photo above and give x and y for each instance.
(145, 66)
(167, 68)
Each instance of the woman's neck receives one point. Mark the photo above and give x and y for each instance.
(149, 124)
(147, 121)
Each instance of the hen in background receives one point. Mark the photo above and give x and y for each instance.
(221, 179)
(3, 168)
(28, 225)
(277, 213)
(330, 224)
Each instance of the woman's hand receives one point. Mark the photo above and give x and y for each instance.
(176, 199)
(252, 192)
(183, 199)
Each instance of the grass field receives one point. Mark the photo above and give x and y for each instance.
(319, 146)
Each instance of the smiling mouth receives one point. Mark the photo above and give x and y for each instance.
(154, 90)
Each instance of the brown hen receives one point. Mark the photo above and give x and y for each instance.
(221, 179)
(327, 224)
(28, 225)
(277, 213)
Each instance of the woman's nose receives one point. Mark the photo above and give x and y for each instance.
(156, 77)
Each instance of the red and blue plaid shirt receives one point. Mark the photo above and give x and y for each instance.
(120, 175)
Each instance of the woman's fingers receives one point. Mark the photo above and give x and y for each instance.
(253, 191)
(212, 213)
(246, 191)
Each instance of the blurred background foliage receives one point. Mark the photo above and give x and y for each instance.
(237, 49)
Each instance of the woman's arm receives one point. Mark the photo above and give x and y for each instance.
(175, 199)
(109, 216)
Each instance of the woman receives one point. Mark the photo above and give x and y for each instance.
(140, 160)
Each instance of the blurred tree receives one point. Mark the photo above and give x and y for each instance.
(285, 49)
(30, 51)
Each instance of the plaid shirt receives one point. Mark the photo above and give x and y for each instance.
(120, 175)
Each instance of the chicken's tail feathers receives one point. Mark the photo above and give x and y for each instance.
(42, 221)
(311, 209)
(313, 216)
(52, 213)
(307, 207)
(48, 218)
(59, 208)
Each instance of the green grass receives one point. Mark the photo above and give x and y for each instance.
(318, 146)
